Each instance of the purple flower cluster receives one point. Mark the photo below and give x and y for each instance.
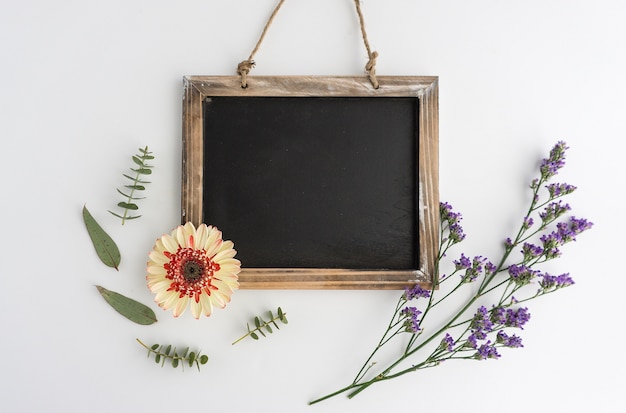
(565, 232)
(522, 274)
(451, 220)
(551, 282)
(528, 222)
(517, 318)
(487, 351)
(485, 322)
(481, 324)
(447, 343)
(554, 210)
(509, 317)
(531, 251)
(415, 292)
(508, 341)
(473, 268)
(411, 323)
(556, 190)
(551, 165)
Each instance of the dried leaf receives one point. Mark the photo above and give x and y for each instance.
(105, 246)
(129, 308)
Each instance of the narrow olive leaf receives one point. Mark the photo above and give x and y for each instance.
(129, 308)
(105, 246)
(128, 205)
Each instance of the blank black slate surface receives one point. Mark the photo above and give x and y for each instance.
(313, 182)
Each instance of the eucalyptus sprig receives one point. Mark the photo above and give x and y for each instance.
(137, 184)
(163, 353)
(261, 324)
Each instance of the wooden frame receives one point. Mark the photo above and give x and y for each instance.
(425, 89)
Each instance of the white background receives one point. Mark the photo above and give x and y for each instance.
(84, 83)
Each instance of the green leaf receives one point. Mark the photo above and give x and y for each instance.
(257, 322)
(254, 336)
(269, 329)
(142, 171)
(174, 362)
(105, 246)
(136, 187)
(192, 358)
(203, 359)
(129, 308)
(137, 161)
(127, 205)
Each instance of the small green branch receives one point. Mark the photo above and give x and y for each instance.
(137, 184)
(261, 325)
(163, 353)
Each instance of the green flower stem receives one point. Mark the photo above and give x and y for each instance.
(382, 341)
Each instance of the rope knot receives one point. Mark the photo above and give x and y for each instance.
(370, 69)
(243, 68)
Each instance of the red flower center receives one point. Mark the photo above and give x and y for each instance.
(191, 272)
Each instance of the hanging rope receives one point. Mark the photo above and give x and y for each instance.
(370, 67)
(244, 67)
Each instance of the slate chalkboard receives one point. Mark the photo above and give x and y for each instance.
(321, 182)
(314, 182)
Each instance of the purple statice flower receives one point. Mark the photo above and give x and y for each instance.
(568, 230)
(487, 351)
(475, 269)
(564, 233)
(447, 343)
(411, 323)
(490, 268)
(551, 243)
(463, 263)
(556, 190)
(553, 210)
(521, 274)
(508, 243)
(517, 318)
(531, 251)
(498, 315)
(578, 225)
(528, 222)
(550, 166)
(508, 341)
(481, 323)
(415, 292)
(471, 342)
(451, 220)
(550, 282)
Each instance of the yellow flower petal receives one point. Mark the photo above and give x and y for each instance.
(196, 308)
(169, 243)
(207, 305)
(180, 306)
(156, 270)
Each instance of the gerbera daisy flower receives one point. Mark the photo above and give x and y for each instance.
(193, 267)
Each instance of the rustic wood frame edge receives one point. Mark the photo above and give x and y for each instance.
(425, 88)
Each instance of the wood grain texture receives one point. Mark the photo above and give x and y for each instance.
(198, 88)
